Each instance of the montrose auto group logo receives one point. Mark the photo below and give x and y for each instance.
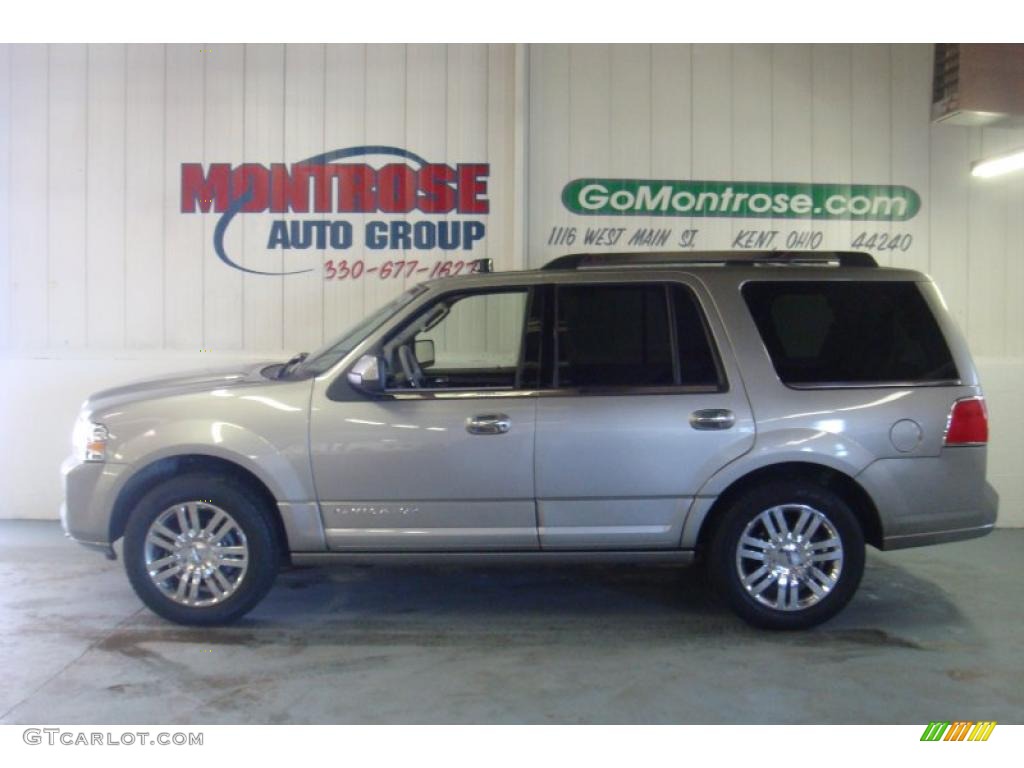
(383, 187)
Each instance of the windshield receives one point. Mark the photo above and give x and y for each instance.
(329, 354)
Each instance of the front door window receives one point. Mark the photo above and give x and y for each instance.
(462, 341)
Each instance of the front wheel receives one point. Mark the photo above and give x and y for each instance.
(199, 549)
(788, 555)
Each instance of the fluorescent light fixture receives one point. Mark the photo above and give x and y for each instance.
(997, 166)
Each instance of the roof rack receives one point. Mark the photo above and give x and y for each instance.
(481, 266)
(710, 258)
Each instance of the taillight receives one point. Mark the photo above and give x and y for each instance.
(968, 422)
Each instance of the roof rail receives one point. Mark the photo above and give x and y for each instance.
(710, 258)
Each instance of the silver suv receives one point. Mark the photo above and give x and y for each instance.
(766, 413)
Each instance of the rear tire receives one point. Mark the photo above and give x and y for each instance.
(200, 549)
(787, 555)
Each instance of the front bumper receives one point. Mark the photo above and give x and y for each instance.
(89, 493)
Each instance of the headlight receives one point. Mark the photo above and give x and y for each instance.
(89, 440)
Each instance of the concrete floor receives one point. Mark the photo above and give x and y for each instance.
(933, 634)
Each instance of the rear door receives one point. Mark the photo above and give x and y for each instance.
(644, 404)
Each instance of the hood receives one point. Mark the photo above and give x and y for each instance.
(241, 374)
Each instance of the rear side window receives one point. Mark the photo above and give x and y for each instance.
(845, 332)
(634, 335)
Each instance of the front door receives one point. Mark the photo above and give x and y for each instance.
(644, 408)
(444, 461)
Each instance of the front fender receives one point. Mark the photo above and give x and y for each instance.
(284, 469)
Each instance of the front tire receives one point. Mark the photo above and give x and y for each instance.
(788, 555)
(200, 549)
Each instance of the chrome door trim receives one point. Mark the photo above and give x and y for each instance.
(483, 394)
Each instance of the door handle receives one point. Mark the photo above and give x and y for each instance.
(712, 418)
(488, 424)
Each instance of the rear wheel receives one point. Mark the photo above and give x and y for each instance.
(788, 555)
(200, 549)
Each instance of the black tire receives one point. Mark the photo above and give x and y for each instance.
(249, 512)
(725, 570)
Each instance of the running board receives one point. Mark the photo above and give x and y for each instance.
(535, 557)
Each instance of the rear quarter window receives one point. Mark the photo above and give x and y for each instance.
(849, 332)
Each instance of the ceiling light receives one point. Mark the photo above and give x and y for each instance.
(997, 166)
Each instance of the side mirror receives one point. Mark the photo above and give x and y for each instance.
(424, 349)
(365, 375)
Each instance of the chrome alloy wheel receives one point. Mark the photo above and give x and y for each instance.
(196, 554)
(789, 557)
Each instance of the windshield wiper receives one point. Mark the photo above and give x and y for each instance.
(286, 368)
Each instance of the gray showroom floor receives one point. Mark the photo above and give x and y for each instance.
(933, 634)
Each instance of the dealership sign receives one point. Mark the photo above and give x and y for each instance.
(403, 200)
(740, 199)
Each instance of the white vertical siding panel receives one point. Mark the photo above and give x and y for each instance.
(712, 131)
(947, 215)
(5, 195)
(466, 118)
(792, 126)
(105, 196)
(146, 201)
(751, 117)
(345, 121)
(630, 123)
(433, 94)
(589, 101)
(263, 143)
(431, 97)
(911, 115)
(1014, 299)
(548, 148)
(831, 153)
(303, 137)
(499, 114)
(590, 140)
(467, 142)
(28, 182)
(466, 122)
(185, 238)
(386, 99)
(224, 94)
(871, 130)
(66, 201)
(671, 110)
(986, 243)
(672, 116)
(501, 108)
(630, 105)
(751, 112)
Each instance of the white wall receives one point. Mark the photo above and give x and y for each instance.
(97, 254)
(103, 279)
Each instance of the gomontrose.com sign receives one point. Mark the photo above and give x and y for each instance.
(740, 199)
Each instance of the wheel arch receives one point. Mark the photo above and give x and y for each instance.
(158, 470)
(838, 482)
